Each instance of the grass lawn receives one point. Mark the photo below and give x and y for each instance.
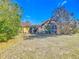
(56, 47)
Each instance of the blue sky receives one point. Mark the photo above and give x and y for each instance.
(37, 11)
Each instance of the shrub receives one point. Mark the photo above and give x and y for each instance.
(9, 20)
(3, 37)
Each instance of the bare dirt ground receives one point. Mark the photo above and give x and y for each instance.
(49, 47)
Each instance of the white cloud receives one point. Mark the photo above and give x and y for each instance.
(64, 2)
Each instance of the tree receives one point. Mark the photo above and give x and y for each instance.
(10, 14)
(65, 18)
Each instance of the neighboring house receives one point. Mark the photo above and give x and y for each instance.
(25, 27)
(50, 26)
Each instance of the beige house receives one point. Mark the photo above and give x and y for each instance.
(25, 27)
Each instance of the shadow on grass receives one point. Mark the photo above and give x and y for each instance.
(39, 36)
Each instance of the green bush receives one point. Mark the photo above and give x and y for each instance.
(3, 38)
(9, 20)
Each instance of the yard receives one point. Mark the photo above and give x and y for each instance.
(51, 47)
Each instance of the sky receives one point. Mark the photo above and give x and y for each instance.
(38, 11)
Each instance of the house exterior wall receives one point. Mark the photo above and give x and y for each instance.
(26, 29)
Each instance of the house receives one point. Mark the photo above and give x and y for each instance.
(50, 26)
(25, 27)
